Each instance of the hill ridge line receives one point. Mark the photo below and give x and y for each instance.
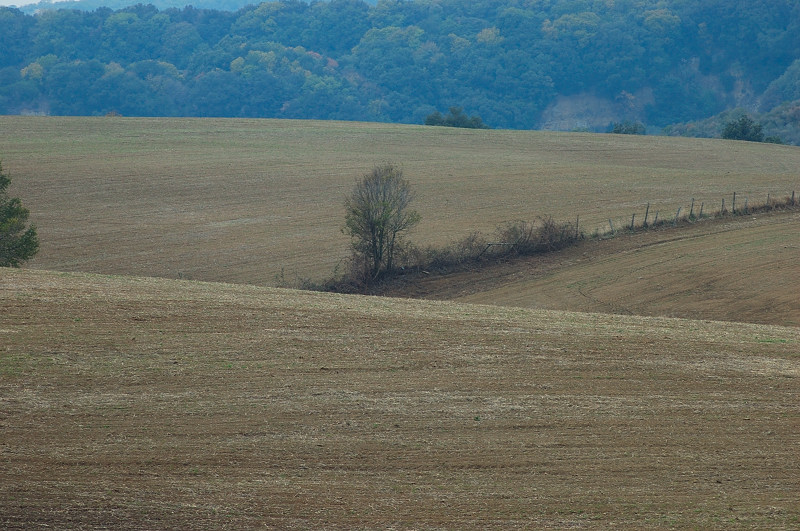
(293, 298)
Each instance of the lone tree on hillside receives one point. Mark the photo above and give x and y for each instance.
(17, 243)
(743, 129)
(377, 212)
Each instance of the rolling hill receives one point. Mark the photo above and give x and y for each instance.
(244, 200)
(743, 268)
(150, 403)
(129, 400)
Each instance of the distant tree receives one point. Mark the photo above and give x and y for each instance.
(17, 243)
(627, 128)
(455, 117)
(376, 213)
(743, 129)
(435, 118)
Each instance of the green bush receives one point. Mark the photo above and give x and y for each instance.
(18, 243)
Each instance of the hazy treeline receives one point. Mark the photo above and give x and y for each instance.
(660, 61)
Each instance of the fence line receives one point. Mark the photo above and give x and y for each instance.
(771, 204)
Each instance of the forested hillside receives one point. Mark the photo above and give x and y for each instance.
(558, 64)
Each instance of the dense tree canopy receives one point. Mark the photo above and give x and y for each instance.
(655, 61)
(743, 129)
(455, 117)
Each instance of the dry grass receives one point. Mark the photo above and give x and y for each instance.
(238, 200)
(146, 403)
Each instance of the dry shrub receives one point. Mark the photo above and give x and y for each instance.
(512, 239)
(521, 238)
(466, 250)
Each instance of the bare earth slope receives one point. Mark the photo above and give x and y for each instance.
(735, 269)
(242, 200)
(157, 404)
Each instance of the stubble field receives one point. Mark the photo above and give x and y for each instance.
(743, 268)
(142, 403)
(243, 200)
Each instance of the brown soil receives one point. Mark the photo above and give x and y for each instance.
(142, 403)
(248, 200)
(152, 404)
(744, 268)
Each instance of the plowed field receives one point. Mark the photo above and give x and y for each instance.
(139, 402)
(744, 268)
(244, 200)
(153, 404)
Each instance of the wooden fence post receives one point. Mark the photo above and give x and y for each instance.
(723, 207)
(646, 212)
(733, 208)
(611, 223)
(675, 221)
(577, 222)
(691, 210)
(633, 217)
(656, 220)
(701, 209)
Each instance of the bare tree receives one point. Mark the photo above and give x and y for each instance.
(376, 213)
